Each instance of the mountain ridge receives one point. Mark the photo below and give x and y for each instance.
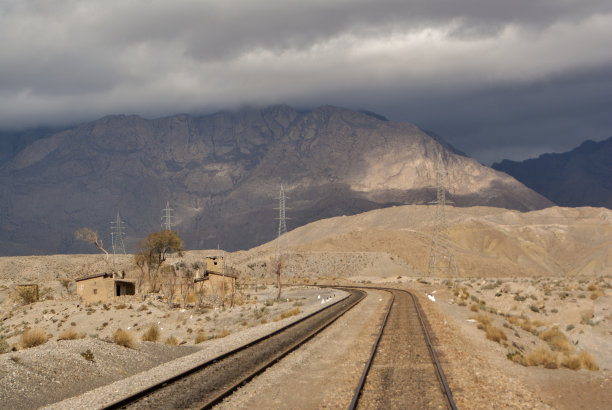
(580, 177)
(221, 173)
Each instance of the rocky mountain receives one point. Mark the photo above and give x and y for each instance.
(221, 174)
(581, 177)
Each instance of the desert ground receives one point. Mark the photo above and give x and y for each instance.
(525, 324)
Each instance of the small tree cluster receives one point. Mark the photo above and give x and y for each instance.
(152, 253)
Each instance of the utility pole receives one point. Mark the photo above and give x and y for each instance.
(441, 258)
(167, 217)
(282, 243)
(117, 235)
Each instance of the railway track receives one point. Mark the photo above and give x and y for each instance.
(403, 370)
(208, 383)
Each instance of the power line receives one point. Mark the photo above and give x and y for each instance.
(282, 243)
(117, 235)
(441, 258)
(167, 217)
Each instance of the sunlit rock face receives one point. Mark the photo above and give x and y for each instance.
(221, 174)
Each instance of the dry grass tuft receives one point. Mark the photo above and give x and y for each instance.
(474, 308)
(587, 361)
(171, 341)
(542, 357)
(483, 320)
(200, 337)
(289, 313)
(513, 320)
(596, 294)
(33, 337)
(495, 334)
(552, 360)
(223, 333)
(69, 334)
(124, 338)
(152, 334)
(556, 340)
(584, 360)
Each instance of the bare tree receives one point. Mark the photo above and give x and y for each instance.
(186, 283)
(152, 253)
(278, 267)
(90, 236)
(169, 282)
(200, 293)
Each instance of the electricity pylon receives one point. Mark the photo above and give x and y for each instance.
(441, 258)
(167, 217)
(282, 243)
(117, 235)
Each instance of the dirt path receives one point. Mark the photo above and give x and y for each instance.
(324, 372)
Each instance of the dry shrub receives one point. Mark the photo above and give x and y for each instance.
(4, 346)
(513, 320)
(239, 299)
(483, 320)
(474, 308)
(495, 334)
(542, 357)
(587, 361)
(223, 333)
(517, 357)
(33, 337)
(527, 326)
(172, 341)
(596, 294)
(556, 340)
(572, 362)
(200, 337)
(592, 287)
(580, 361)
(123, 338)
(26, 295)
(289, 313)
(69, 334)
(152, 334)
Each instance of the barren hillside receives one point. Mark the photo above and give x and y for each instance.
(488, 242)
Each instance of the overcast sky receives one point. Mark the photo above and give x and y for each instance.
(496, 78)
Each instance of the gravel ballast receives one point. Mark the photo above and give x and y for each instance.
(109, 393)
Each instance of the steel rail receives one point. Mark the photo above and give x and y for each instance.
(126, 401)
(366, 369)
(440, 373)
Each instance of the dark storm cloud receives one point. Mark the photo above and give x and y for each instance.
(482, 73)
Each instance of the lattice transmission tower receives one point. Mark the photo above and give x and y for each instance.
(282, 243)
(441, 257)
(167, 217)
(117, 235)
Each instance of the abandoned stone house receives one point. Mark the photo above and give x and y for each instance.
(214, 280)
(103, 287)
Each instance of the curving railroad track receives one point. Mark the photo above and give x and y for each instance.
(403, 370)
(208, 383)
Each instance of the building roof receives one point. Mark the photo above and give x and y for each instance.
(125, 281)
(209, 272)
(97, 275)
